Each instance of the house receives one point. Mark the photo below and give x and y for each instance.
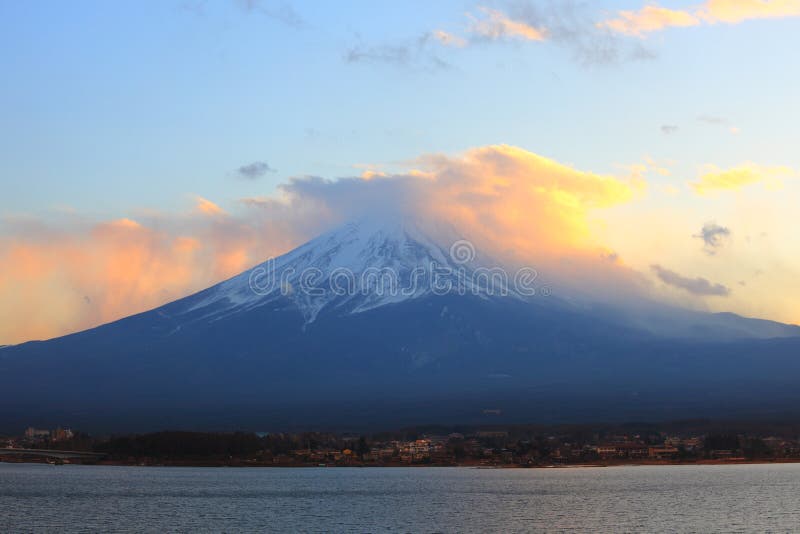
(622, 450)
(663, 452)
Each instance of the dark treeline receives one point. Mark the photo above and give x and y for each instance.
(178, 444)
(182, 444)
(445, 445)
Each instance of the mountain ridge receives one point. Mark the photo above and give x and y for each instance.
(229, 357)
(377, 247)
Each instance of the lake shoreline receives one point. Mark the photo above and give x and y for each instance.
(218, 464)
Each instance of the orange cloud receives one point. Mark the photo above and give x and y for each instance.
(520, 200)
(125, 223)
(735, 11)
(206, 206)
(653, 18)
(67, 277)
(494, 24)
(649, 19)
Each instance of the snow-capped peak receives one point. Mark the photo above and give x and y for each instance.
(359, 266)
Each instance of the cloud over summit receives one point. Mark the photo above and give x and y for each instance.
(501, 196)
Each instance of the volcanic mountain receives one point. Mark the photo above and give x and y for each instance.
(378, 324)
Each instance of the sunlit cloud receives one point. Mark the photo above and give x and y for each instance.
(494, 25)
(735, 11)
(649, 19)
(654, 18)
(70, 274)
(207, 207)
(713, 179)
(125, 223)
(648, 166)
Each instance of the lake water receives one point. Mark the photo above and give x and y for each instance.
(36, 497)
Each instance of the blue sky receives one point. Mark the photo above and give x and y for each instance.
(107, 107)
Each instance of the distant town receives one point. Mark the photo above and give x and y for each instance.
(496, 446)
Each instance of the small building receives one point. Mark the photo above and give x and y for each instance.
(622, 450)
(61, 434)
(35, 433)
(661, 453)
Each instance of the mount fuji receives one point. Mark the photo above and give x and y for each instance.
(361, 266)
(387, 322)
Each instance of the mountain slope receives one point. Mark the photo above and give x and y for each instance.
(250, 354)
(358, 267)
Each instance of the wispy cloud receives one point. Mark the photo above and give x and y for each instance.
(449, 39)
(280, 11)
(254, 170)
(413, 52)
(714, 237)
(697, 286)
(567, 24)
(195, 7)
(713, 119)
(564, 23)
(669, 129)
(397, 54)
(719, 121)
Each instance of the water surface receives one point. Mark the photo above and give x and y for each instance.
(35, 497)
